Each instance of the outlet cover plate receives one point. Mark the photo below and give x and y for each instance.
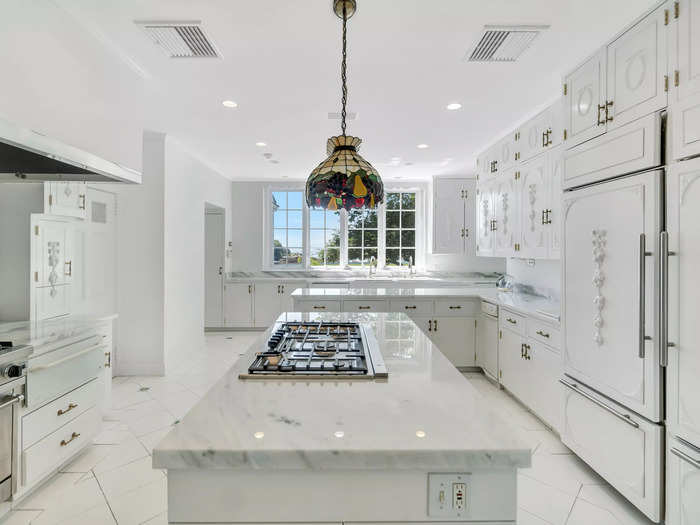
(442, 507)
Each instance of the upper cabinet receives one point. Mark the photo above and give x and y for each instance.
(485, 218)
(453, 215)
(541, 133)
(684, 120)
(622, 82)
(67, 199)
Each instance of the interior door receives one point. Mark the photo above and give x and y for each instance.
(585, 95)
(683, 201)
(448, 216)
(534, 202)
(507, 214)
(636, 66)
(605, 344)
(484, 217)
(555, 173)
(214, 245)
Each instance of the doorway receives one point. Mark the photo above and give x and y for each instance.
(214, 249)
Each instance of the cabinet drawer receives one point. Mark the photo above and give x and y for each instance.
(629, 458)
(359, 305)
(633, 147)
(48, 305)
(322, 305)
(512, 321)
(457, 307)
(682, 483)
(55, 373)
(544, 333)
(57, 413)
(407, 306)
(57, 447)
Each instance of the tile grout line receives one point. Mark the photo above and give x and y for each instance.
(105, 497)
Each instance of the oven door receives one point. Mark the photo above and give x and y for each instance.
(11, 395)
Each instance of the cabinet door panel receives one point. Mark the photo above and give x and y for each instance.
(555, 173)
(684, 304)
(506, 151)
(487, 345)
(455, 337)
(585, 93)
(507, 214)
(238, 304)
(683, 484)
(513, 370)
(688, 62)
(485, 241)
(67, 199)
(533, 137)
(602, 291)
(266, 303)
(547, 370)
(534, 201)
(448, 216)
(637, 64)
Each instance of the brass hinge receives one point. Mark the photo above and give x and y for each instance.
(36, 230)
(50, 200)
(500, 373)
(676, 10)
(500, 334)
(666, 83)
(565, 90)
(36, 277)
(676, 78)
(564, 134)
(665, 17)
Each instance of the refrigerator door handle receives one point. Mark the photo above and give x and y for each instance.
(624, 417)
(685, 457)
(643, 254)
(663, 303)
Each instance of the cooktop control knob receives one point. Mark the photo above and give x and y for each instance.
(12, 371)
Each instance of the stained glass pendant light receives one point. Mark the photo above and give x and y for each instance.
(344, 179)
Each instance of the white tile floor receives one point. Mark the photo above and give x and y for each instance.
(112, 482)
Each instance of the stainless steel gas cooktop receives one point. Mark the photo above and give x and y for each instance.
(319, 350)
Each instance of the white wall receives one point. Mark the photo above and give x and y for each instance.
(545, 275)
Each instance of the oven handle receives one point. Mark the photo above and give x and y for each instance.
(12, 401)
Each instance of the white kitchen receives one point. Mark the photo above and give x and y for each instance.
(345, 262)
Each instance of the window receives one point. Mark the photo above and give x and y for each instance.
(400, 228)
(288, 230)
(363, 236)
(324, 237)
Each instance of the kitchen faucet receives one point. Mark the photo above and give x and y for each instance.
(372, 262)
(411, 269)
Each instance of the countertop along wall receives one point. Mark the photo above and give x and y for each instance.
(544, 275)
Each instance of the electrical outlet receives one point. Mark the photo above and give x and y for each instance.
(448, 495)
(531, 262)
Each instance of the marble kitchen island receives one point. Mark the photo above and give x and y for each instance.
(395, 449)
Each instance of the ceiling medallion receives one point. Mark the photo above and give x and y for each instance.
(344, 179)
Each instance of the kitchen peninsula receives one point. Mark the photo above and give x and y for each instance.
(416, 446)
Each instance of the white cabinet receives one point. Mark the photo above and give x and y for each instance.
(487, 345)
(485, 217)
(683, 220)
(506, 150)
(453, 215)
(506, 223)
(622, 82)
(685, 64)
(682, 483)
(267, 303)
(67, 199)
(534, 203)
(511, 356)
(605, 345)
(455, 337)
(238, 304)
(555, 163)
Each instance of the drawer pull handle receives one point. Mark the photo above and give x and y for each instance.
(624, 417)
(511, 321)
(317, 307)
(410, 307)
(455, 307)
(71, 406)
(543, 334)
(364, 307)
(73, 436)
(685, 457)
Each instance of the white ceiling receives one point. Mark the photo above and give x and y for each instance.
(281, 65)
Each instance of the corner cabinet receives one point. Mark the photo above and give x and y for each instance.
(257, 304)
(453, 216)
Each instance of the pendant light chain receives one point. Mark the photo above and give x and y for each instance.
(343, 69)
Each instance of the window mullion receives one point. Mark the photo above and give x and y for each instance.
(381, 235)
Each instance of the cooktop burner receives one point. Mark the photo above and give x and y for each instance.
(319, 349)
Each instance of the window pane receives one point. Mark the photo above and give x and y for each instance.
(333, 256)
(370, 238)
(316, 257)
(408, 219)
(370, 252)
(392, 257)
(279, 200)
(294, 200)
(406, 254)
(294, 237)
(280, 238)
(370, 219)
(333, 238)
(279, 256)
(355, 218)
(355, 238)
(392, 238)
(316, 218)
(392, 219)
(294, 219)
(354, 256)
(280, 219)
(317, 239)
(333, 220)
(294, 256)
(408, 201)
(408, 238)
(393, 201)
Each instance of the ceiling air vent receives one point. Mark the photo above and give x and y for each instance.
(180, 39)
(503, 43)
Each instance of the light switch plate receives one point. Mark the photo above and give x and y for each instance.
(441, 488)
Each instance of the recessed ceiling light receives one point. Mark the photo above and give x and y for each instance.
(230, 104)
(420, 433)
(261, 144)
(259, 435)
(339, 433)
(422, 146)
(454, 105)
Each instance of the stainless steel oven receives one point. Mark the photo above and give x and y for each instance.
(12, 390)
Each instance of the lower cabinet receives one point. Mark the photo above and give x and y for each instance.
(487, 345)
(257, 304)
(682, 483)
(238, 304)
(511, 360)
(455, 337)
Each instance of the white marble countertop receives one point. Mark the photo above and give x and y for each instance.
(348, 277)
(531, 305)
(44, 336)
(426, 415)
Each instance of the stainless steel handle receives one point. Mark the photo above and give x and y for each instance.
(643, 253)
(82, 202)
(685, 457)
(624, 417)
(663, 306)
(12, 401)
